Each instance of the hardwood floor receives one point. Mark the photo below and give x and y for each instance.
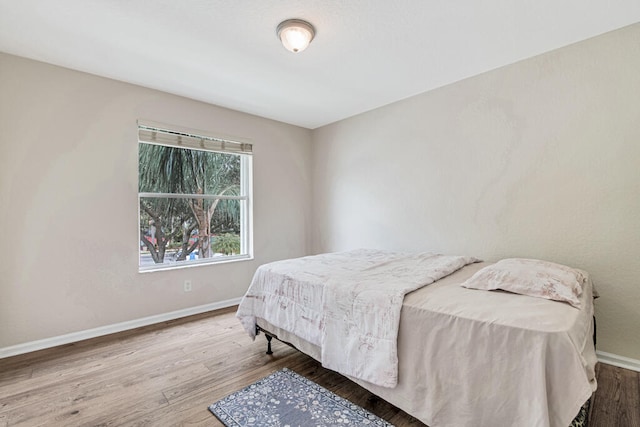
(167, 375)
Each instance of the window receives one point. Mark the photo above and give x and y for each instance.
(194, 198)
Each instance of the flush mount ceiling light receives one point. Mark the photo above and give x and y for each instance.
(295, 34)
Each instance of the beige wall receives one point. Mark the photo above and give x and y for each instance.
(537, 159)
(68, 192)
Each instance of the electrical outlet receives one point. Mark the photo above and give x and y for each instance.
(187, 285)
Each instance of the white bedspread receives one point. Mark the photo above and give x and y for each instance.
(346, 303)
(470, 358)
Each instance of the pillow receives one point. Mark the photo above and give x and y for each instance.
(531, 277)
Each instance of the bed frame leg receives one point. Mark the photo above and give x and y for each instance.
(269, 337)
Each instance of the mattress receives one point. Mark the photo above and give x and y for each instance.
(486, 358)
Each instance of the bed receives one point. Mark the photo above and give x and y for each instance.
(464, 357)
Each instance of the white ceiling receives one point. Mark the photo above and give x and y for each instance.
(367, 53)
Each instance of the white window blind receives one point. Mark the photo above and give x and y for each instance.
(155, 133)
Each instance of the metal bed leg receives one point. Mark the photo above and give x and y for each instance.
(269, 337)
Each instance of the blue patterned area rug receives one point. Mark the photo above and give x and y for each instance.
(285, 398)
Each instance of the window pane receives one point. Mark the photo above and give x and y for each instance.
(164, 169)
(187, 230)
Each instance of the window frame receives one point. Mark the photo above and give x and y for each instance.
(223, 145)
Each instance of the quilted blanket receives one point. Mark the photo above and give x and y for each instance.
(347, 303)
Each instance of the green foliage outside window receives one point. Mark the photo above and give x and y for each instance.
(228, 244)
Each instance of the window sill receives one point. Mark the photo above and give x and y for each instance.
(176, 266)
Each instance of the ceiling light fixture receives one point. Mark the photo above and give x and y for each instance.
(295, 34)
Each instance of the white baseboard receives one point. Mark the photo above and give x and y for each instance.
(619, 361)
(110, 329)
(14, 350)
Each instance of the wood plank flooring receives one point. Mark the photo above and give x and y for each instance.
(167, 375)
